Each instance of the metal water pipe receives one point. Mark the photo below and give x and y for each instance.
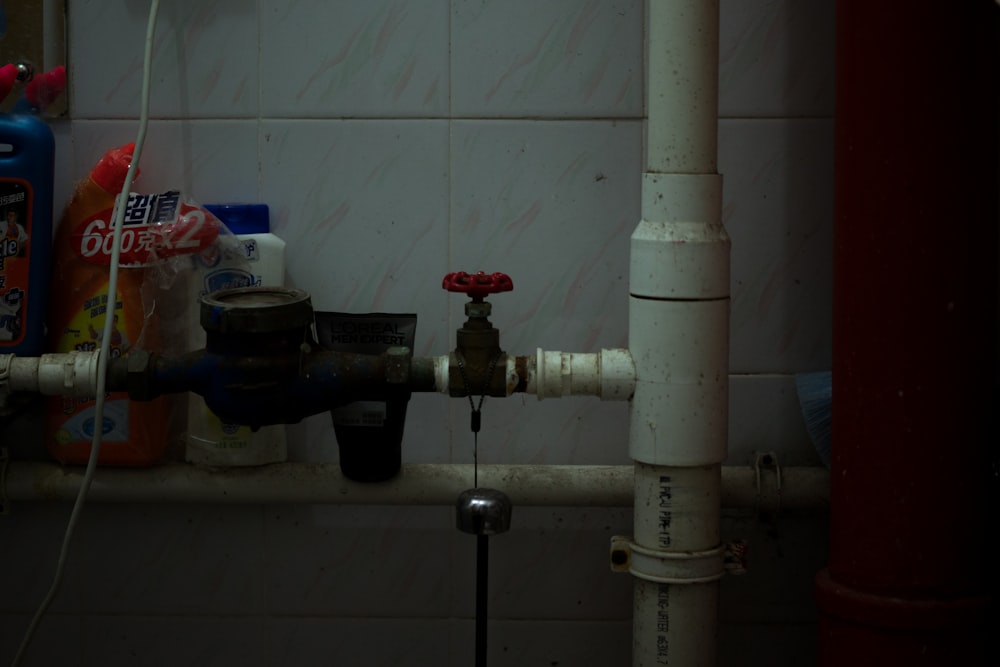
(915, 335)
(262, 365)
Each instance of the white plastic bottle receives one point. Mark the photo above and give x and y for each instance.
(209, 440)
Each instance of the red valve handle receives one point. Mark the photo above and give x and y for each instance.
(477, 285)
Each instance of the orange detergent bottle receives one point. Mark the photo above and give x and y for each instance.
(134, 433)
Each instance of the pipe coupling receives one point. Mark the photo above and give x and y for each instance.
(666, 567)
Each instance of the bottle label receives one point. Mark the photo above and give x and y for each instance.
(223, 269)
(154, 227)
(228, 278)
(15, 241)
(250, 250)
(84, 332)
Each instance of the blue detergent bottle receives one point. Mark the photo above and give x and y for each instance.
(27, 151)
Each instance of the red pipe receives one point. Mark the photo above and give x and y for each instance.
(915, 334)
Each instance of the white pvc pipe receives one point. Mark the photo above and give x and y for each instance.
(679, 414)
(679, 340)
(63, 374)
(675, 592)
(800, 489)
(682, 97)
(680, 249)
(609, 374)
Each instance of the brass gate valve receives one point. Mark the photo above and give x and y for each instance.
(477, 365)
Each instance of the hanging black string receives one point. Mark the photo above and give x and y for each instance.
(476, 418)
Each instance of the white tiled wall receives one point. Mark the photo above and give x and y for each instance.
(396, 140)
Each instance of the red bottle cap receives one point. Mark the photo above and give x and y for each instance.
(44, 88)
(111, 169)
(8, 76)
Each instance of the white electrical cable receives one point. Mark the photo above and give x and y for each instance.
(102, 361)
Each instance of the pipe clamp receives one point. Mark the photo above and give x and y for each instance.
(768, 501)
(666, 567)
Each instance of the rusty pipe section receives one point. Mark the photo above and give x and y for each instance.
(608, 374)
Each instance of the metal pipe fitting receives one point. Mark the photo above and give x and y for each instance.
(477, 365)
(261, 365)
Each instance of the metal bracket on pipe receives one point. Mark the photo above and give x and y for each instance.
(666, 567)
(764, 460)
(735, 557)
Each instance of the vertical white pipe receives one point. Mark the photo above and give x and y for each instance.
(679, 340)
(682, 97)
(675, 606)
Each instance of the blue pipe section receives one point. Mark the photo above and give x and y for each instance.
(258, 389)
